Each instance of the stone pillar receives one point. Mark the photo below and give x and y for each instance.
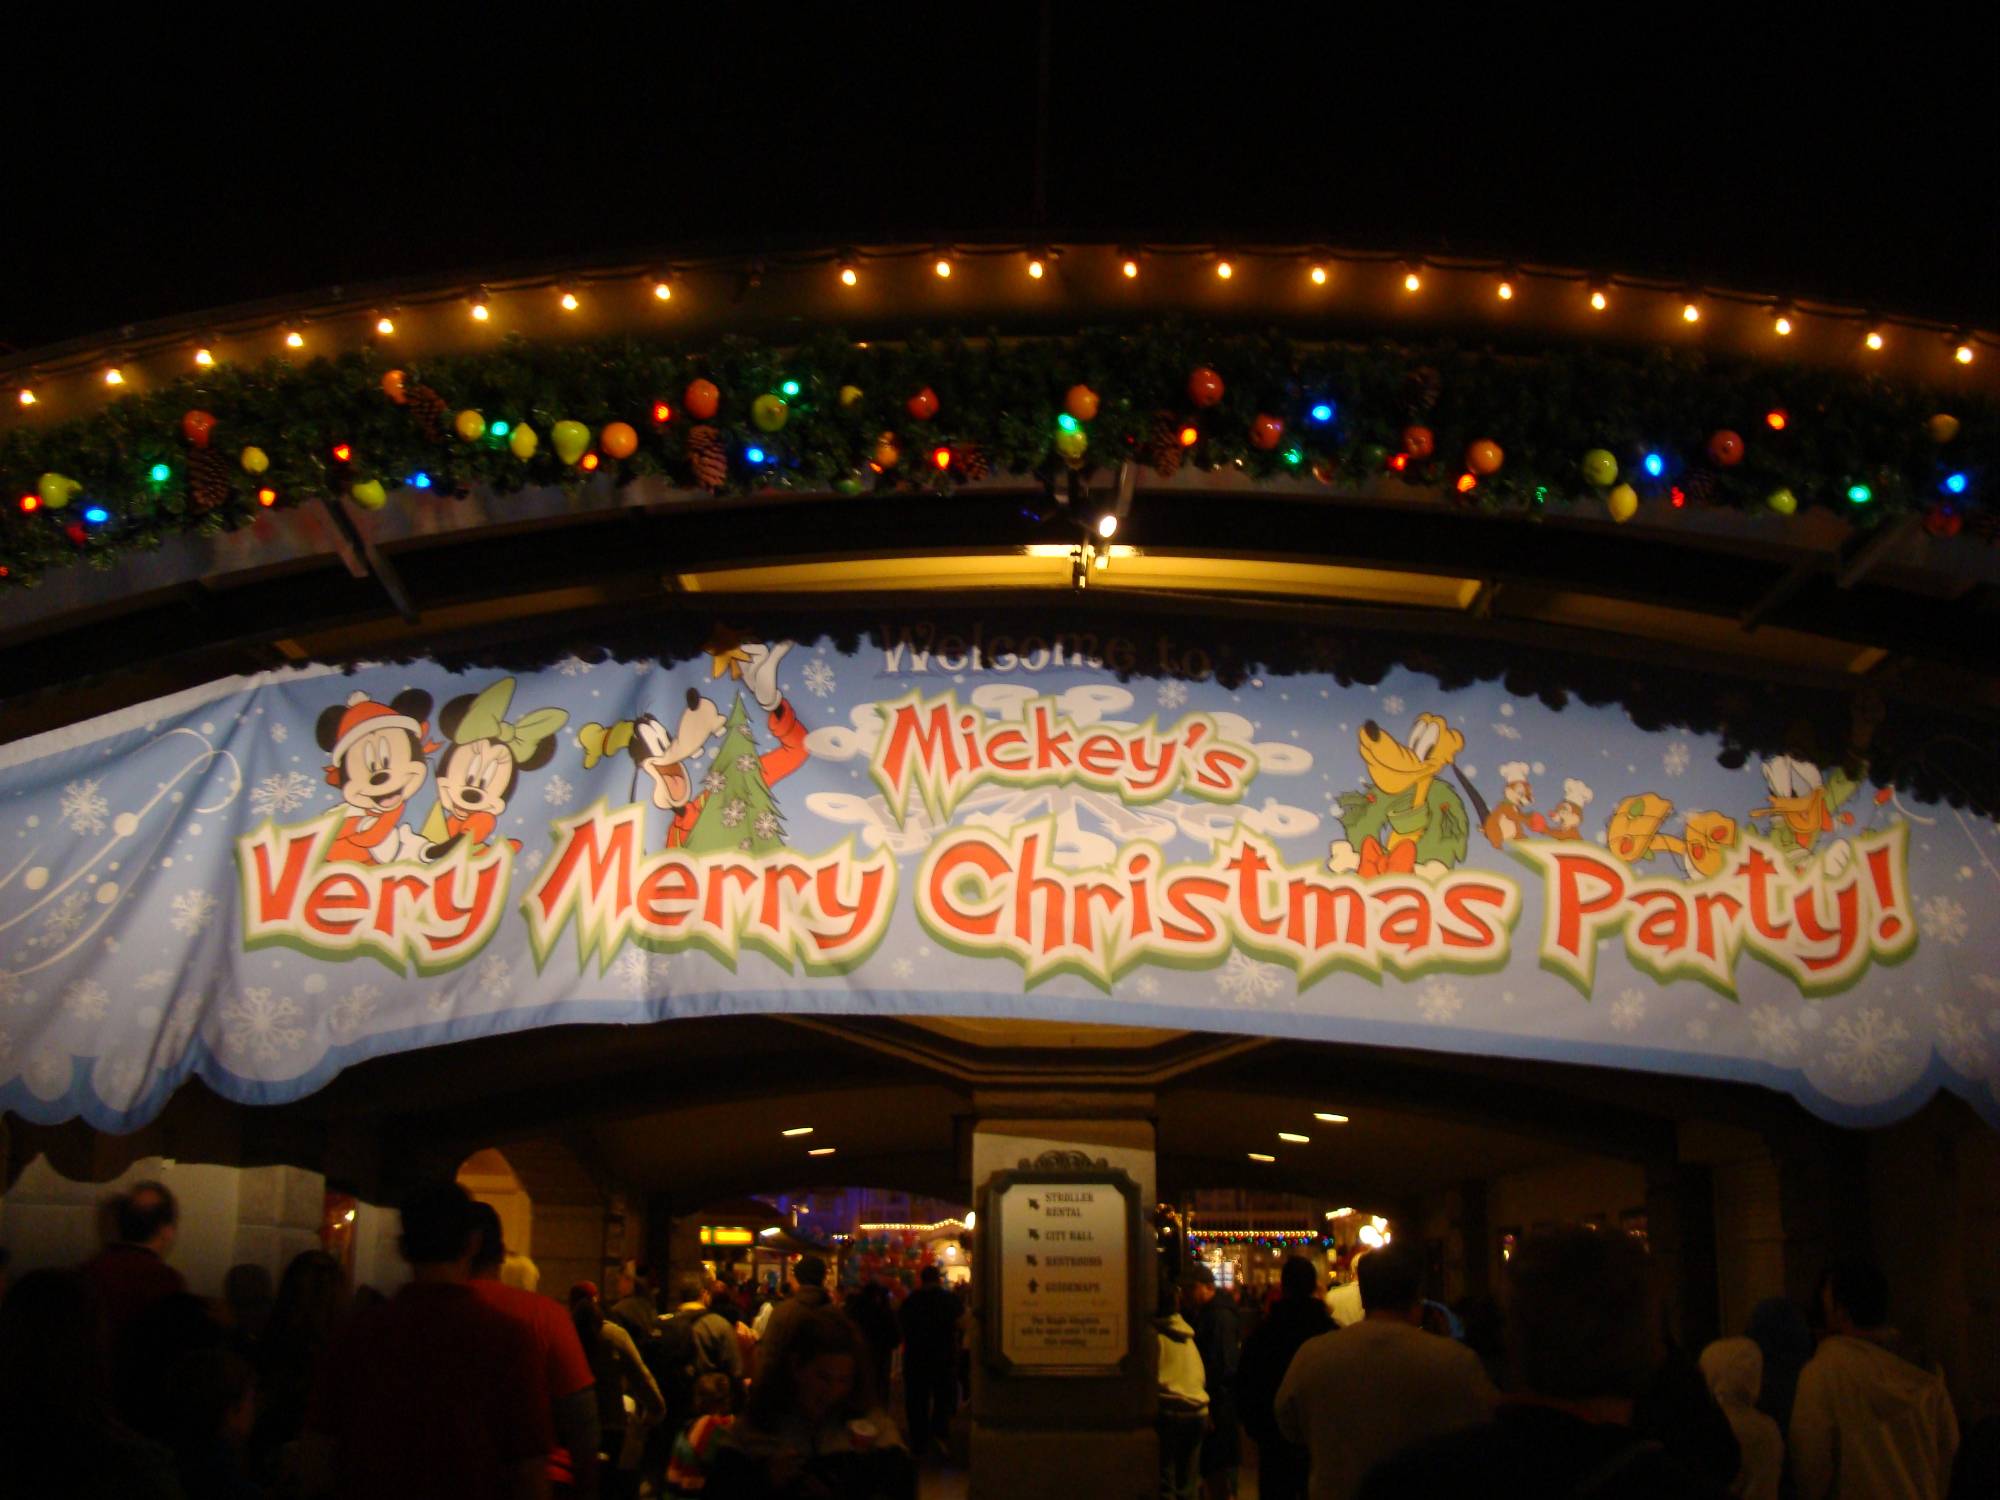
(1047, 1435)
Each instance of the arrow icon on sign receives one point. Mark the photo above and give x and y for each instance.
(1034, 1285)
(1034, 1234)
(1034, 1203)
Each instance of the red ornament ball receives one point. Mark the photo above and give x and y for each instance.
(1419, 442)
(1943, 520)
(1726, 448)
(1204, 387)
(1484, 457)
(922, 406)
(1265, 431)
(196, 426)
(702, 399)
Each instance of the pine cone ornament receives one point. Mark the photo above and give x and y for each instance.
(1700, 486)
(427, 410)
(1420, 392)
(969, 460)
(208, 481)
(1163, 448)
(708, 457)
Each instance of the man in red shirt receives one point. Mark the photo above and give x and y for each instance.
(433, 1393)
(131, 1274)
(572, 1385)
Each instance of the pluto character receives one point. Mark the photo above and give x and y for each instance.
(1406, 818)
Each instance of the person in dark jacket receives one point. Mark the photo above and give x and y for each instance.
(870, 1312)
(1781, 1331)
(1213, 1314)
(929, 1320)
(1677, 1410)
(1298, 1315)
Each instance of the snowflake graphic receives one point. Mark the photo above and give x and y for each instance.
(1393, 704)
(1698, 1029)
(12, 991)
(83, 806)
(1674, 759)
(62, 920)
(1775, 1033)
(573, 666)
(49, 1072)
(747, 764)
(714, 782)
(1173, 694)
(1507, 731)
(118, 1080)
(765, 825)
(1628, 1009)
(154, 979)
(637, 970)
(178, 1031)
(1439, 1001)
(1245, 981)
(1864, 1047)
(279, 734)
(1147, 985)
(902, 968)
(819, 678)
(1959, 1040)
(495, 972)
(353, 1010)
(281, 792)
(734, 811)
(1942, 919)
(86, 999)
(262, 1026)
(193, 910)
(532, 861)
(557, 792)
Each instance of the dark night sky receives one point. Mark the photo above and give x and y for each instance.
(166, 172)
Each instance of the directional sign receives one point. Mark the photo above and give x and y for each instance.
(1065, 1293)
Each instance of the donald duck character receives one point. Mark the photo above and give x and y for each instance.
(483, 761)
(1405, 819)
(1802, 804)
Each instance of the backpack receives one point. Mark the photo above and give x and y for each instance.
(672, 1358)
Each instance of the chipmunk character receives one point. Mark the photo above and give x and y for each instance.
(1704, 847)
(1566, 818)
(377, 765)
(1515, 817)
(482, 764)
(1406, 818)
(661, 756)
(1802, 805)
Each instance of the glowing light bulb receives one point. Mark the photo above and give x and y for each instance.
(1295, 456)
(159, 473)
(1130, 268)
(569, 302)
(499, 429)
(1260, 1156)
(1598, 301)
(1066, 422)
(1467, 483)
(27, 396)
(1860, 494)
(479, 312)
(1412, 281)
(420, 481)
(1318, 275)
(1035, 270)
(1654, 465)
(1505, 291)
(1189, 437)
(96, 515)
(662, 292)
(1323, 411)
(1107, 526)
(1775, 419)
(1874, 341)
(1690, 313)
(31, 503)
(267, 497)
(1963, 354)
(941, 457)
(753, 455)
(662, 413)
(1782, 326)
(114, 376)
(203, 358)
(1956, 483)
(384, 326)
(789, 390)
(849, 277)
(943, 268)
(1224, 269)
(342, 453)
(589, 463)
(295, 340)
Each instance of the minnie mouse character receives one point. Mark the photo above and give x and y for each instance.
(483, 761)
(378, 763)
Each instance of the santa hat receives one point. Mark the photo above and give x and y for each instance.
(1513, 771)
(365, 716)
(1576, 794)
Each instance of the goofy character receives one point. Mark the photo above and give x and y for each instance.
(662, 756)
(377, 765)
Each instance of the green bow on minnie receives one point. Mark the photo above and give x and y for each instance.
(486, 720)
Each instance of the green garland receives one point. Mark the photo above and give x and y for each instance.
(999, 403)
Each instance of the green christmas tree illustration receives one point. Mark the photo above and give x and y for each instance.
(738, 812)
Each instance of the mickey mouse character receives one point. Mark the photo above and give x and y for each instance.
(378, 764)
(483, 762)
(661, 756)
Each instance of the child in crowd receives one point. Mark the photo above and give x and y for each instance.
(694, 1449)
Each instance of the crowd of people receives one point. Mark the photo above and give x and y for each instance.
(1576, 1389)
(115, 1380)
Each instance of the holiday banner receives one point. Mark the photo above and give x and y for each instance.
(266, 880)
